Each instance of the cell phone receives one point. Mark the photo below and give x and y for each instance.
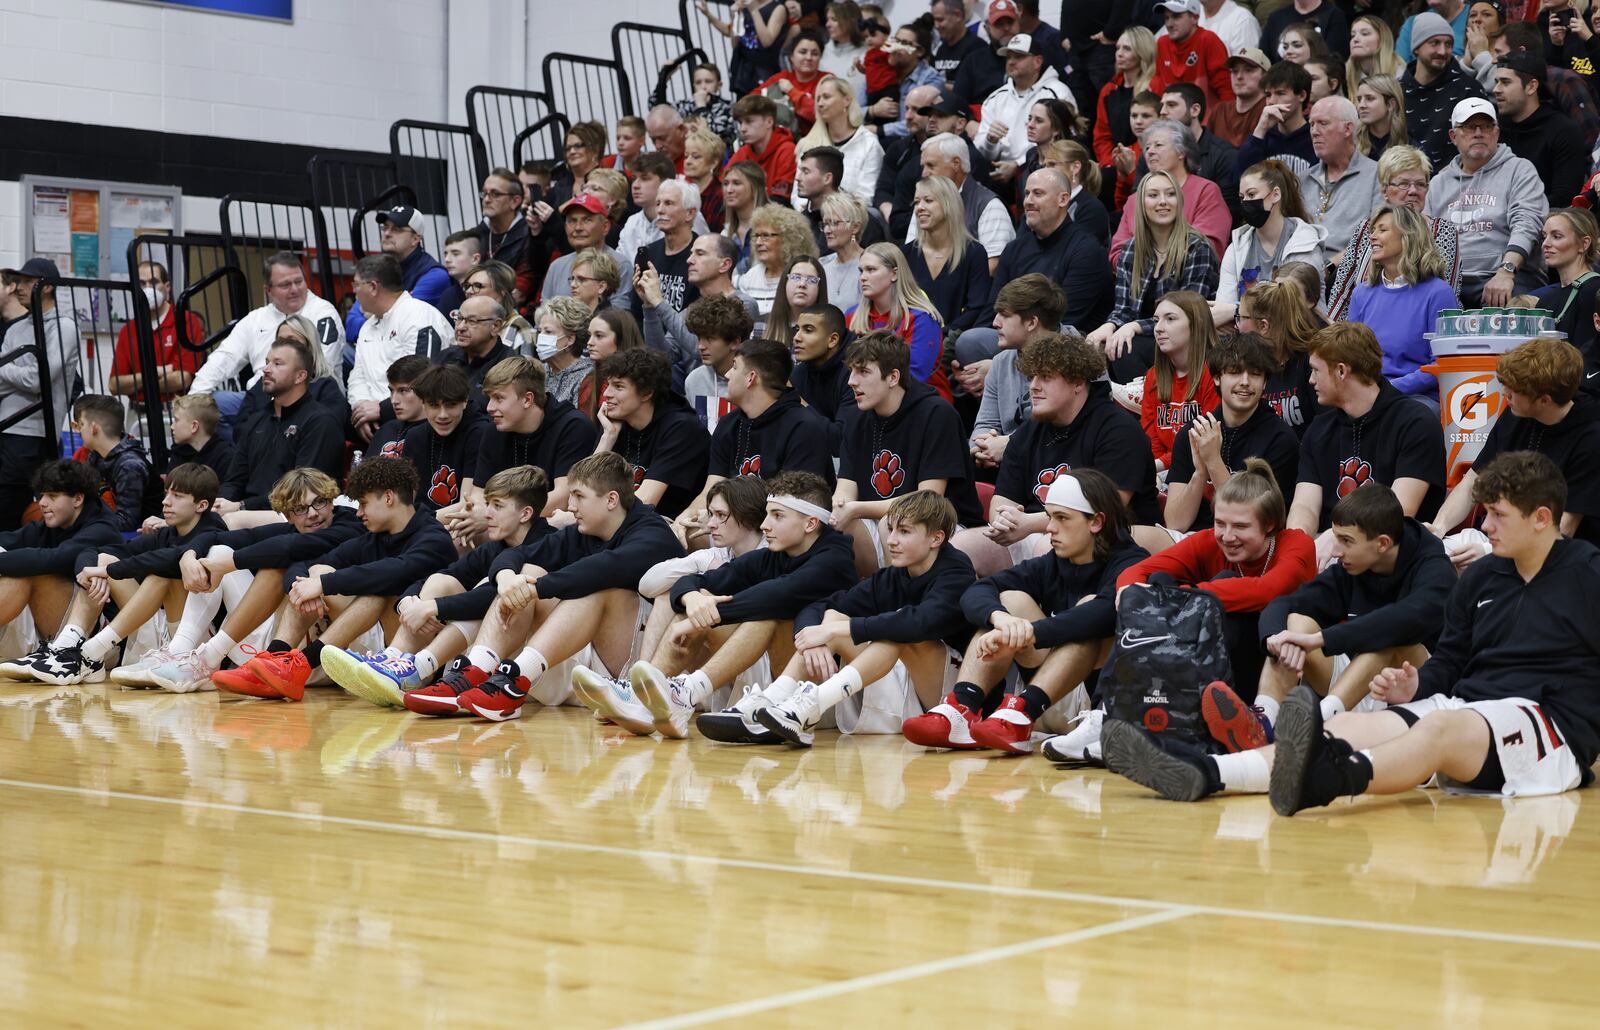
(641, 258)
(535, 194)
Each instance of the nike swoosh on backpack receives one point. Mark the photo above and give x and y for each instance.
(1130, 640)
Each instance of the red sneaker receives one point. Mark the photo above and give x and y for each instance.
(1231, 722)
(499, 698)
(948, 724)
(443, 696)
(283, 671)
(243, 680)
(1009, 729)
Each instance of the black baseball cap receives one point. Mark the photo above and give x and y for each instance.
(36, 268)
(950, 102)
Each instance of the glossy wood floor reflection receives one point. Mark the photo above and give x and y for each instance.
(198, 862)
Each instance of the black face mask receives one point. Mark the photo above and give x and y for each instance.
(1255, 212)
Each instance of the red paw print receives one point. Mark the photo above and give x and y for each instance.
(638, 476)
(442, 490)
(1047, 477)
(751, 466)
(888, 475)
(1353, 473)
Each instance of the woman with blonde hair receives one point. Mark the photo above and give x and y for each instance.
(1072, 159)
(1403, 176)
(804, 284)
(1276, 230)
(1371, 52)
(1571, 249)
(1166, 254)
(1381, 111)
(1178, 387)
(744, 191)
(1278, 311)
(1402, 297)
(703, 151)
(1135, 63)
(948, 264)
(838, 125)
(778, 235)
(594, 277)
(844, 220)
(892, 300)
(611, 186)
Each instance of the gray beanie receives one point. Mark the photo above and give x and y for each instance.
(1427, 25)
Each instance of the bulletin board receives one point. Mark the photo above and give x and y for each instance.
(85, 225)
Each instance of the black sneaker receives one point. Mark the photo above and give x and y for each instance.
(68, 666)
(1175, 771)
(1310, 766)
(22, 668)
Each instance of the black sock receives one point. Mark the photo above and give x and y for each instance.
(1358, 775)
(509, 668)
(969, 694)
(1034, 701)
(314, 654)
(279, 645)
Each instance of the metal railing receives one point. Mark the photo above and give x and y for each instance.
(532, 144)
(588, 89)
(649, 54)
(444, 165)
(502, 117)
(342, 185)
(698, 31)
(255, 227)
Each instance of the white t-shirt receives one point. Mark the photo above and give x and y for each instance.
(243, 353)
(411, 326)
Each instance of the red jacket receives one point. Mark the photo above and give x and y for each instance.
(777, 161)
(1196, 560)
(1201, 59)
(802, 98)
(125, 359)
(1161, 420)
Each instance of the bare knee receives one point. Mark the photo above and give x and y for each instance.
(1303, 624)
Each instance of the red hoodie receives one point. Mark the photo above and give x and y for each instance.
(1201, 59)
(1196, 559)
(1163, 419)
(777, 161)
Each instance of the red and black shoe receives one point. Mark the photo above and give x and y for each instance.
(1009, 729)
(500, 697)
(1232, 723)
(947, 724)
(443, 697)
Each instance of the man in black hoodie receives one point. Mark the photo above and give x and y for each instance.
(1368, 431)
(769, 430)
(355, 584)
(1506, 703)
(906, 439)
(1536, 132)
(1074, 424)
(1053, 245)
(296, 432)
(1432, 85)
(38, 561)
(742, 608)
(819, 374)
(108, 574)
(1380, 603)
(653, 428)
(445, 447)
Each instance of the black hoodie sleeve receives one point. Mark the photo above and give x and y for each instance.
(852, 601)
(60, 559)
(982, 599)
(427, 551)
(936, 615)
(1095, 619)
(758, 594)
(1325, 600)
(809, 450)
(285, 548)
(1414, 618)
(648, 542)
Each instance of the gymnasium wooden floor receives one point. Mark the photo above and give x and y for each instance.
(189, 861)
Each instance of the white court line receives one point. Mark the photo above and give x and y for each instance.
(921, 969)
(893, 879)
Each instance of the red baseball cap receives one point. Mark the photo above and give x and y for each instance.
(1003, 9)
(588, 202)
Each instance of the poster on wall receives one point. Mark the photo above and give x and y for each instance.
(274, 10)
(52, 228)
(84, 218)
(136, 214)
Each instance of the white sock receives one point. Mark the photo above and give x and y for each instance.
(72, 636)
(778, 690)
(1245, 772)
(531, 662)
(1269, 706)
(198, 611)
(234, 586)
(842, 684)
(1331, 706)
(483, 658)
(100, 645)
(427, 664)
(700, 687)
(217, 648)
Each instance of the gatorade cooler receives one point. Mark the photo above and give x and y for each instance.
(1470, 398)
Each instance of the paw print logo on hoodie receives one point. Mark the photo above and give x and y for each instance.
(888, 473)
(1353, 473)
(442, 490)
(751, 466)
(1047, 477)
(638, 476)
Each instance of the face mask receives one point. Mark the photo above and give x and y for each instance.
(1255, 212)
(546, 346)
(153, 297)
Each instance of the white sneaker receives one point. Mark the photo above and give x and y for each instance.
(796, 719)
(1130, 395)
(1081, 744)
(138, 674)
(613, 699)
(666, 698)
(737, 723)
(184, 675)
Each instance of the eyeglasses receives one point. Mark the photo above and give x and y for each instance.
(491, 194)
(765, 235)
(472, 287)
(1409, 185)
(575, 279)
(320, 504)
(458, 318)
(834, 223)
(804, 280)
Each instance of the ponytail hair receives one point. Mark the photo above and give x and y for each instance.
(1257, 487)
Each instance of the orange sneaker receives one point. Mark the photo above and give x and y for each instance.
(272, 674)
(243, 681)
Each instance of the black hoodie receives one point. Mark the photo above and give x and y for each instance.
(382, 564)
(306, 435)
(127, 472)
(216, 455)
(1398, 438)
(1057, 585)
(767, 585)
(1537, 640)
(1552, 143)
(471, 568)
(826, 389)
(1428, 109)
(146, 553)
(895, 606)
(922, 440)
(1103, 436)
(1573, 444)
(1263, 435)
(37, 550)
(1372, 611)
(443, 463)
(563, 437)
(1071, 258)
(672, 449)
(787, 437)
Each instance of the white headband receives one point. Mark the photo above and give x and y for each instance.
(1067, 492)
(816, 511)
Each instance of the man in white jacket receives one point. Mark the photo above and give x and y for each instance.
(397, 324)
(242, 354)
(1002, 134)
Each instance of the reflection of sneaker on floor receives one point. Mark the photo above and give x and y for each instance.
(666, 699)
(795, 719)
(1176, 771)
(377, 678)
(1008, 730)
(185, 674)
(500, 697)
(737, 723)
(67, 666)
(1079, 745)
(1232, 723)
(1310, 766)
(138, 674)
(444, 696)
(614, 699)
(947, 724)
(1130, 394)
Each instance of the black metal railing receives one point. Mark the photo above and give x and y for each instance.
(501, 117)
(588, 88)
(444, 165)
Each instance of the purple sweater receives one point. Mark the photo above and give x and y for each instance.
(1399, 318)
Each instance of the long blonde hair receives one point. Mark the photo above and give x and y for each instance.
(1387, 87)
(1419, 261)
(1165, 260)
(1143, 42)
(944, 193)
(906, 298)
(1202, 340)
(1385, 62)
(1291, 320)
(818, 136)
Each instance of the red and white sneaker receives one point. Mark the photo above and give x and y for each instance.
(947, 724)
(443, 697)
(1009, 729)
(500, 697)
(1232, 723)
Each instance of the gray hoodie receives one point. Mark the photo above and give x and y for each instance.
(1501, 207)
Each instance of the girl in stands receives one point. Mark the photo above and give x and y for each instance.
(805, 284)
(744, 189)
(1279, 312)
(947, 263)
(1277, 230)
(892, 300)
(1382, 110)
(1179, 386)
